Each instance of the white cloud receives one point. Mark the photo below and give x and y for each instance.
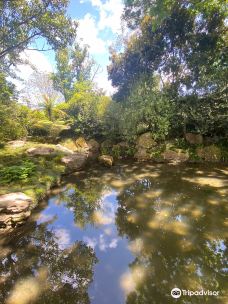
(110, 13)
(88, 32)
(62, 237)
(103, 82)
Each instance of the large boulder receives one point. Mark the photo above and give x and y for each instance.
(81, 144)
(94, 148)
(75, 162)
(145, 141)
(194, 139)
(15, 208)
(93, 145)
(175, 156)
(210, 153)
(144, 144)
(41, 151)
(106, 160)
(142, 155)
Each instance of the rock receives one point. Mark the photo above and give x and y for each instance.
(64, 149)
(16, 143)
(194, 139)
(175, 156)
(94, 148)
(75, 161)
(143, 145)
(210, 153)
(14, 202)
(40, 151)
(93, 145)
(14, 210)
(145, 141)
(81, 144)
(106, 160)
(142, 155)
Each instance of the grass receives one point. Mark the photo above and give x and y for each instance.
(33, 176)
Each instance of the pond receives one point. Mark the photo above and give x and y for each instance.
(128, 234)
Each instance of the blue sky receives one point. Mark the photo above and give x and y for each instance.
(99, 25)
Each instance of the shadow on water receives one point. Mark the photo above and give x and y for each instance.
(123, 235)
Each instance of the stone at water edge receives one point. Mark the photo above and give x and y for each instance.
(94, 149)
(40, 151)
(75, 161)
(106, 160)
(15, 208)
(175, 156)
(142, 155)
(145, 141)
(93, 145)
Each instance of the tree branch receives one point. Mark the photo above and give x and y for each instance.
(13, 47)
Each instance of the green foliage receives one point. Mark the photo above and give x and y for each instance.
(7, 90)
(116, 151)
(73, 64)
(223, 145)
(46, 128)
(17, 172)
(24, 21)
(112, 118)
(146, 108)
(12, 122)
(86, 109)
(185, 43)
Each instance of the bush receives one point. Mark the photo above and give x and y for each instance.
(12, 126)
(146, 109)
(47, 128)
(17, 172)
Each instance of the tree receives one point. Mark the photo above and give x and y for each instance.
(73, 64)
(86, 109)
(7, 90)
(184, 43)
(22, 22)
(146, 109)
(60, 274)
(40, 93)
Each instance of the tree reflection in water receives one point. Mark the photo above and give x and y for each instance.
(40, 270)
(174, 222)
(177, 237)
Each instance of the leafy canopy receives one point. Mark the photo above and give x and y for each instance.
(24, 21)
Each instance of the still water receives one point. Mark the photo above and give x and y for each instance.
(128, 234)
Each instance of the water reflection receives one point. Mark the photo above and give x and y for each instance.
(42, 268)
(124, 235)
(176, 235)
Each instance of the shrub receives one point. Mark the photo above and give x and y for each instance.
(146, 109)
(17, 172)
